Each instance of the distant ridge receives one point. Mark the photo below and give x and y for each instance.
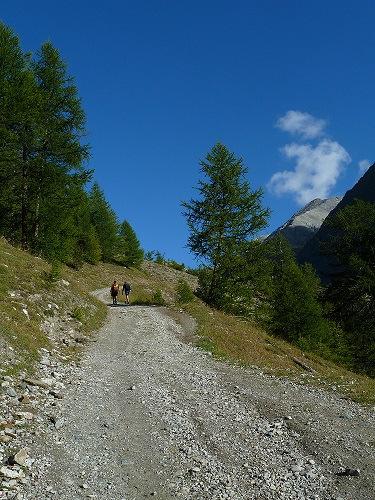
(364, 190)
(305, 223)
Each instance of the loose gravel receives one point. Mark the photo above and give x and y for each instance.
(146, 414)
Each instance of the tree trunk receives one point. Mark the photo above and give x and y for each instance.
(24, 199)
(212, 284)
(37, 221)
(214, 270)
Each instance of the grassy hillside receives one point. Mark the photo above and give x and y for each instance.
(40, 309)
(240, 341)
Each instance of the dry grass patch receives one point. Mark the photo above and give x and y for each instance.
(241, 341)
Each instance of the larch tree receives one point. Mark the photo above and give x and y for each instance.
(44, 205)
(352, 290)
(20, 128)
(104, 221)
(60, 175)
(296, 313)
(129, 249)
(226, 214)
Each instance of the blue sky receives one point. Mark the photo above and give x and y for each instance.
(163, 81)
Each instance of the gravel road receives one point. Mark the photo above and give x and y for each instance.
(146, 414)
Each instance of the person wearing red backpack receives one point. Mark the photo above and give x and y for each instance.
(114, 292)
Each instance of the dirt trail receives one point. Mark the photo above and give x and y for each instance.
(148, 415)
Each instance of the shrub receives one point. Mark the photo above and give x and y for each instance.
(142, 300)
(159, 258)
(175, 265)
(194, 272)
(157, 298)
(53, 275)
(149, 255)
(184, 292)
(79, 314)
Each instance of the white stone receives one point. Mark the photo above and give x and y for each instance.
(27, 415)
(21, 456)
(9, 473)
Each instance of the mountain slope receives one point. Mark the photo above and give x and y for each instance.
(364, 189)
(305, 223)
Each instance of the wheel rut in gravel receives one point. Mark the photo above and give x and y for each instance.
(146, 414)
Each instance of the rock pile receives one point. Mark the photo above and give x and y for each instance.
(27, 407)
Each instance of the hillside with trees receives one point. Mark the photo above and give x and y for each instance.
(46, 205)
(263, 280)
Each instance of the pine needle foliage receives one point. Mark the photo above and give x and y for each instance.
(352, 291)
(183, 292)
(129, 251)
(104, 221)
(44, 204)
(226, 214)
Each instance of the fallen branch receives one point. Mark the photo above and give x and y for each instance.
(303, 365)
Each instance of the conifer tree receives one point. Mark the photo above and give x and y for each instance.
(19, 137)
(60, 176)
(41, 156)
(104, 221)
(296, 313)
(129, 249)
(352, 291)
(43, 203)
(12, 65)
(227, 214)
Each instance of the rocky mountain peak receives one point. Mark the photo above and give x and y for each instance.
(364, 190)
(304, 224)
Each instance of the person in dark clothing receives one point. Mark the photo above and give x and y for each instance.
(126, 289)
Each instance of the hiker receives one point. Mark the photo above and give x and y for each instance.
(126, 289)
(114, 292)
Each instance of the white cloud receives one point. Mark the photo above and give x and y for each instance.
(303, 124)
(315, 173)
(363, 166)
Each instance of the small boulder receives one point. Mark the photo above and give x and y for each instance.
(10, 473)
(57, 422)
(11, 392)
(21, 456)
(44, 384)
(349, 472)
(5, 439)
(56, 394)
(25, 399)
(27, 415)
